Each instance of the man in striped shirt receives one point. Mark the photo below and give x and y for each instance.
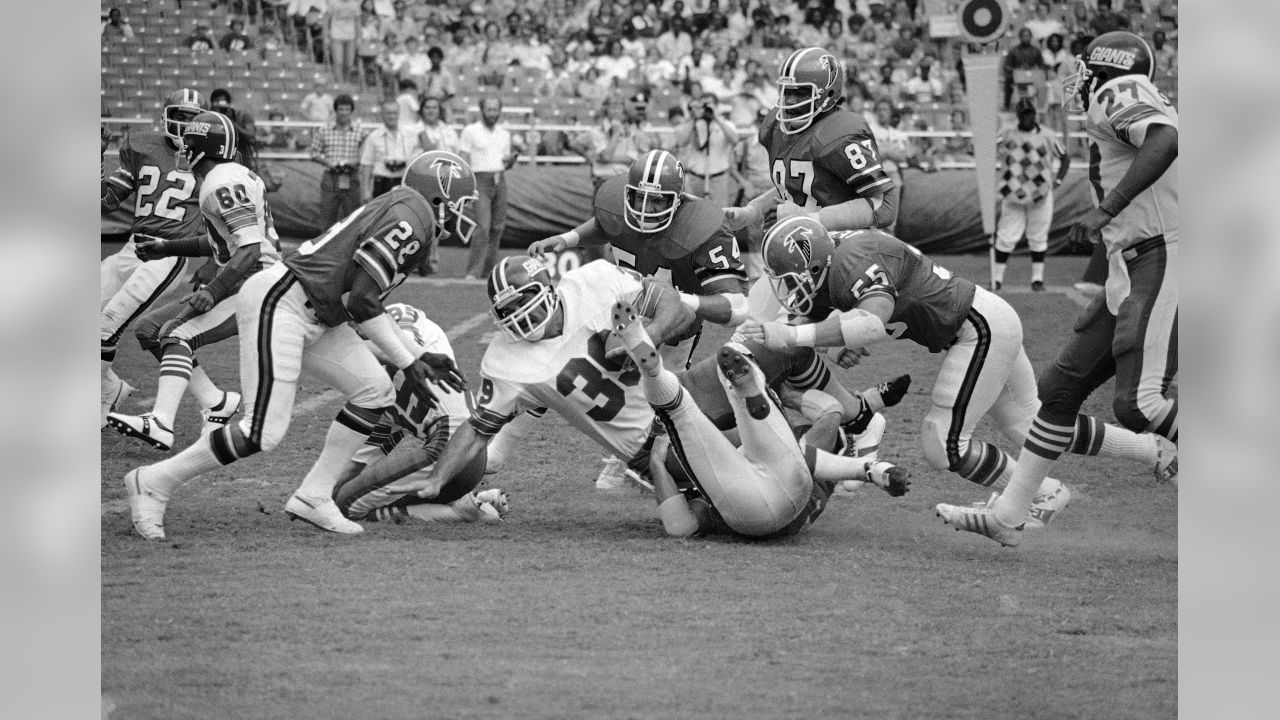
(337, 148)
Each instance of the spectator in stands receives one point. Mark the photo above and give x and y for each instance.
(738, 21)
(615, 142)
(437, 81)
(1042, 25)
(1023, 56)
(337, 148)
(956, 148)
(200, 40)
(778, 35)
(590, 89)
(489, 149)
(436, 133)
(394, 54)
(385, 152)
(882, 23)
(923, 88)
(1106, 21)
(116, 27)
(867, 47)
(401, 25)
(1166, 56)
(272, 137)
(343, 29)
(615, 67)
(1060, 64)
(235, 38)
(705, 143)
(270, 38)
(1078, 23)
(893, 144)
(676, 42)
(409, 103)
(533, 49)
(220, 100)
(415, 65)
(317, 105)
(369, 44)
(695, 66)
(310, 24)
(495, 57)
(837, 41)
(556, 81)
(906, 47)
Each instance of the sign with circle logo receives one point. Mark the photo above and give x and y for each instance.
(983, 21)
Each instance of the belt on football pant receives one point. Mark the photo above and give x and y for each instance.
(1133, 251)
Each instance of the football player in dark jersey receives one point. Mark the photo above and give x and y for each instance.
(300, 313)
(166, 206)
(823, 158)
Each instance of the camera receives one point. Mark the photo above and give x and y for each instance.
(708, 112)
(344, 169)
(394, 166)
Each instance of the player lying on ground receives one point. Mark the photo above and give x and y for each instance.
(298, 314)
(409, 439)
(242, 240)
(558, 350)
(867, 286)
(1129, 332)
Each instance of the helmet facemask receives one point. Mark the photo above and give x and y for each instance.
(796, 115)
(1077, 87)
(524, 312)
(463, 225)
(796, 290)
(176, 118)
(649, 208)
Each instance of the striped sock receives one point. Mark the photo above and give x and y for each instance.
(1046, 441)
(984, 464)
(203, 389)
(346, 434)
(175, 372)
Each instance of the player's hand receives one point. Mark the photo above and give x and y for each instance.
(200, 301)
(417, 376)
(889, 477)
(789, 209)
(149, 249)
(847, 357)
(613, 346)
(443, 370)
(737, 218)
(426, 488)
(1088, 230)
(773, 335)
(555, 243)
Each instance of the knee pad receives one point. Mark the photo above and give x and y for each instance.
(232, 443)
(1057, 395)
(933, 443)
(1139, 411)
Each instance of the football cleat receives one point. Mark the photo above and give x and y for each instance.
(114, 393)
(889, 477)
(627, 325)
(324, 514)
(493, 504)
(613, 475)
(865, 445)
(980, 518)
(146, 508)
(1166, 470)
(1050, 499)
(217, 416)
(1037, 286)
(886, 394)
(145, 427)
(742, 378)
(997, 285)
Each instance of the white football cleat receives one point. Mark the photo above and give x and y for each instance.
(980, 518)
(494, 500)
(146, 508)
(216, 419)
(324, 514)
(865, 445)
(114, 393)
(145, 427)
(613, 475)
(1166, 470)
(1049, 500)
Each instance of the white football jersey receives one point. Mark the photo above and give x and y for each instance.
(412, 412)
(569, 373)
(234, 202)
(1120, 113)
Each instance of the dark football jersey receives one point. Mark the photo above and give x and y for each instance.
(166, 204)
(697, 254)
(833, 161)
(929, 303)
(387, 238)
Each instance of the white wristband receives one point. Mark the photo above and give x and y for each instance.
(382, 331)
(860, 328)
(805, 335)
(693, 302)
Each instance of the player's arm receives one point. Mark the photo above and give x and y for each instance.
(147, 247)
(1157, 149)
(856, 328)
(463, 448)
(673, 509)
(120, 184)
(855, 158)
(669, 317)
(723, 278)
(759, 209)
(588, 234)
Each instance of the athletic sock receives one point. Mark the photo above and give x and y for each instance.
(202, 388)
(985, 464)
(346, 434)
(1047, 439)
(1037, 266)
(662, 389)
(1002, 261)
(195, 460)
(175, 372)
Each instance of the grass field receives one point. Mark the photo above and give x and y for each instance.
(577, 605)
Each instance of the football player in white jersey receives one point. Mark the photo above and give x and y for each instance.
(409, 439)
(1130, 330)
(243, 237)
(557, 351)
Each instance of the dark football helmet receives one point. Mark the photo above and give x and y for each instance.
(797, 255)
(208, 136)
(652, 196)
(448, 184)
(810, 82)
(522, 297)
(179, 107)
(1109, 56)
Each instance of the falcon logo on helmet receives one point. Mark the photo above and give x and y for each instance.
(797, 254)
(1107, 57)
(522, 297)
(652, 195)
(208, 136)
(810, 82)
(448, 185)
(180, 106)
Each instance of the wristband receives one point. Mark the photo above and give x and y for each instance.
(693, 302)
(804, 335)
(382, 331)
(677, 519)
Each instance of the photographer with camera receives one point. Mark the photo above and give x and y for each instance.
(705, 143)
(385, 153)
(337, 148)
(246, 127)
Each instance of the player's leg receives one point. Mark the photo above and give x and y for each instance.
(1039, 216)
(484, 221)
(361, 496)
(1009, 228)
(114, 270)
(1146, 344)
(272, 334)
(504, 444)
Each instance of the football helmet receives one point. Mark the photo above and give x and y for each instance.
(797, 254)
(208, 136)
(810, 82)
(449, 185)
(652, 196)
(522, 297)
(179, 107)
(1109, 56)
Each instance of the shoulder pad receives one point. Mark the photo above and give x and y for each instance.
(697, 221)
(837, 126)
(766, 127)
(608, 205)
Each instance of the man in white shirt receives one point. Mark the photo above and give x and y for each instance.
(385, 153)
(705, 144)
(487, 147)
